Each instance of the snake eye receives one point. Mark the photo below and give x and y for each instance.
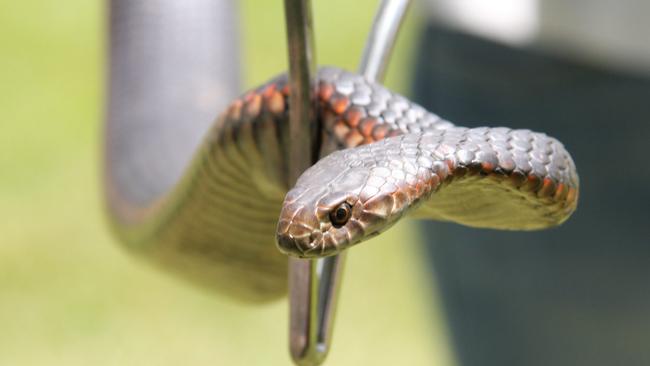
(341, 214)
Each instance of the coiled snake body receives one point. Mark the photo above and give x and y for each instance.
(385, 157)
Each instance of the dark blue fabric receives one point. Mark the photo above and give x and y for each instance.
(575, 295)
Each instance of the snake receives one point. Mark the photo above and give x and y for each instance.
(227, 217)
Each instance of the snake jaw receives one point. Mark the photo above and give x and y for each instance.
(312, 245)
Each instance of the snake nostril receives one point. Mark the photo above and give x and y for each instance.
(295, 246)
(286, 244)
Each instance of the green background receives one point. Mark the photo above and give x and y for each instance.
(70, 295)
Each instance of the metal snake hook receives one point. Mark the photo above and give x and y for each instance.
(314, 284)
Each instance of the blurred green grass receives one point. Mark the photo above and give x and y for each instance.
(69, 294)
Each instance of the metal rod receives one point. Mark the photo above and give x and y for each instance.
(314, 284)
(302, 69)
(381, 38)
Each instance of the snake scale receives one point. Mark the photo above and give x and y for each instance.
(230, 217)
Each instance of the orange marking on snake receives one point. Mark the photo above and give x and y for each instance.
(254, 105)
(366, 126)
(487, 167)
(571, 195)
(354, 115)
(269, 90)
(532, 183)
(560, 192)
(340, 104)
(547, 189)
(276, 103)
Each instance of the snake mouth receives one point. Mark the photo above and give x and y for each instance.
(297, 242)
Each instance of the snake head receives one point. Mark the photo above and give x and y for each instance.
(335, 205)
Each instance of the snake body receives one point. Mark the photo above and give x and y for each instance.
(412, 161)
(211, 206)
(384, 157)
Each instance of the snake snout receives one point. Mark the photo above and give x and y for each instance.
(311, 246)
(288, 245)
(298, 240)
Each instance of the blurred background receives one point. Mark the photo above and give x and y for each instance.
(443, 295)
(70, 294)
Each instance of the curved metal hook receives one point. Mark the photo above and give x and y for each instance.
(314, 284)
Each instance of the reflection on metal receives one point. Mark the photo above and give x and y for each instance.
(313, 294)
(381, 38)
(314, 284)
